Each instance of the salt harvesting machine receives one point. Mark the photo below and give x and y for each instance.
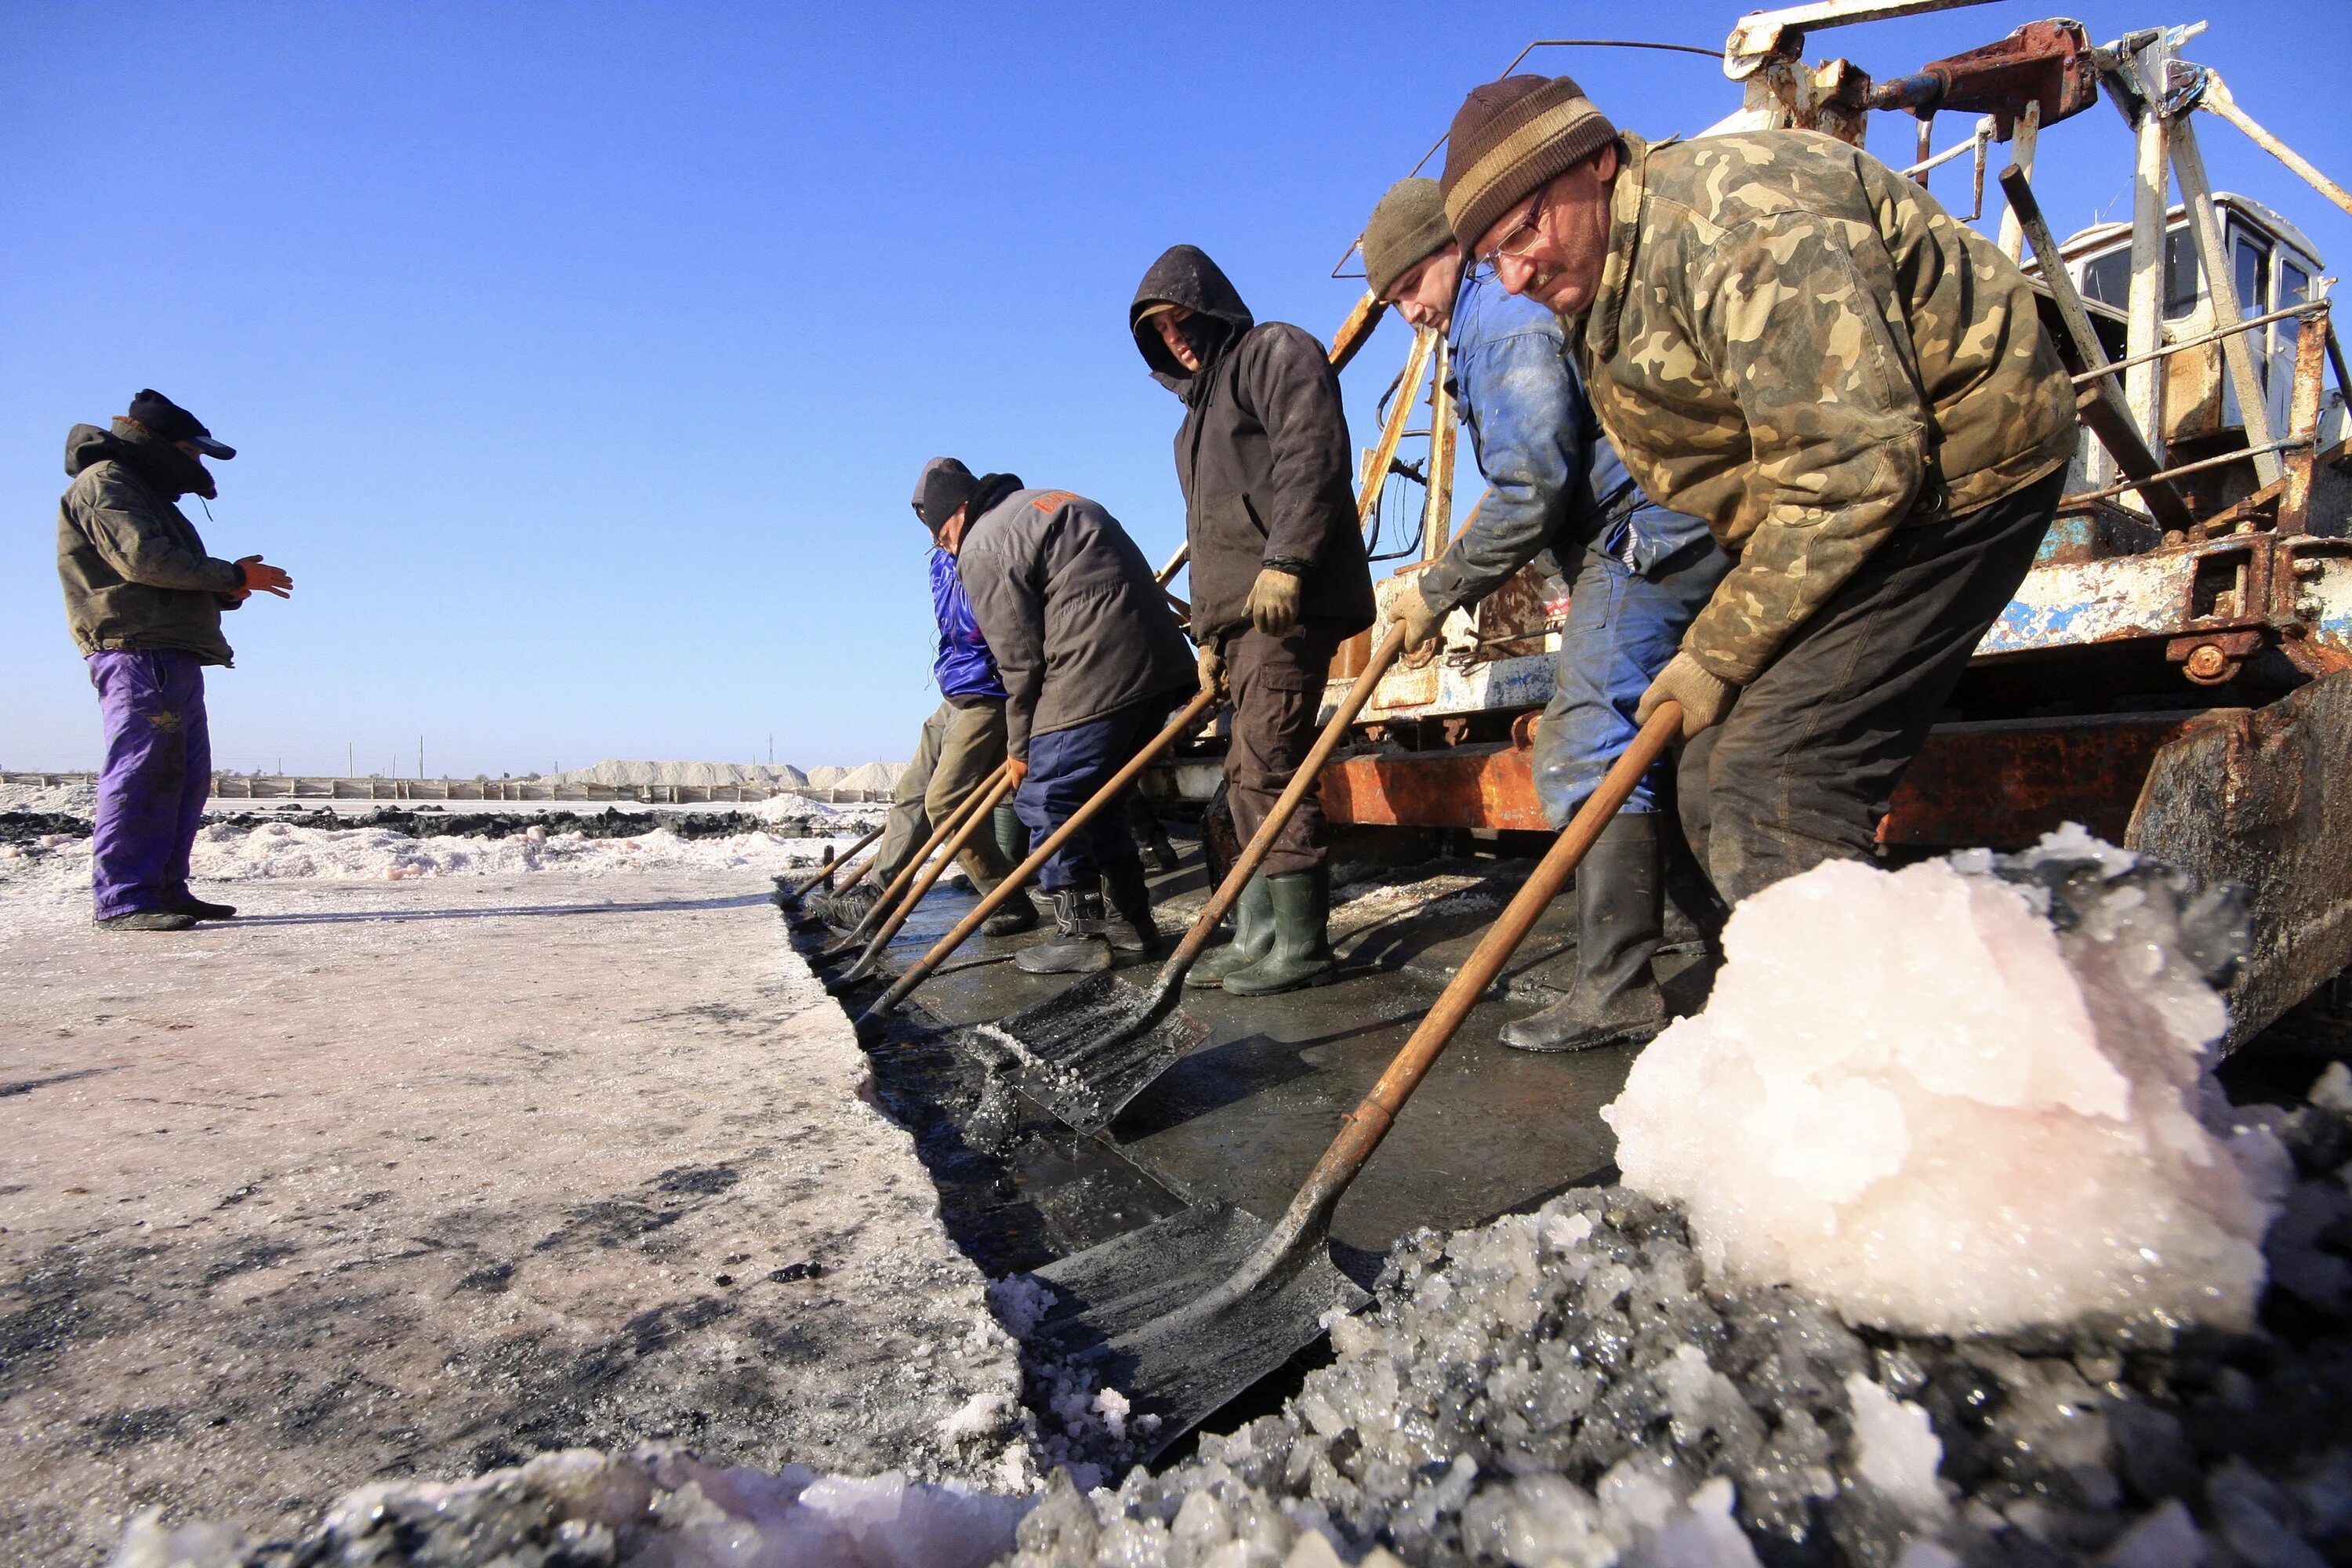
(2175, 673)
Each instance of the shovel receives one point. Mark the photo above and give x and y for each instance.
(788, 896)
(889, 898)
(1187, 1312)
(1000, 786)
(1086, 1053)
(1018, 877)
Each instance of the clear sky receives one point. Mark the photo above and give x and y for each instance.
(581, 357)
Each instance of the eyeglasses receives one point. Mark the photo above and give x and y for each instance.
(1524, 233)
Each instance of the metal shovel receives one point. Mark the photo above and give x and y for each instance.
(789, 894)
(973, 820)
(1190, 1310)
(1018, 877)
(1086, 1053)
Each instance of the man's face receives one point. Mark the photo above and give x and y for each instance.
(1424, 295)
(1167, 322)
(1551, 246)
(950, 537)
(190, 448)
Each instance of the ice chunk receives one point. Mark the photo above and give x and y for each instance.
(1912, 1096)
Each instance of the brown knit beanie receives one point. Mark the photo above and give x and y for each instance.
(1406, 228)
(1511, 137)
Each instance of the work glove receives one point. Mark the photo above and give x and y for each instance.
(1212, 666)
(1706, 695)
(1412, 610)
(1273, 601)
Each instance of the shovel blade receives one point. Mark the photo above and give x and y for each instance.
(1083, 1054)
(1120, 1290)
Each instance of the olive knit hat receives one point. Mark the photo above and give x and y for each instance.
(1509, 137)
(1407, 227)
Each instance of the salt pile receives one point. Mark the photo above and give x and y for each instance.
(699, 773)
(1915, 1099)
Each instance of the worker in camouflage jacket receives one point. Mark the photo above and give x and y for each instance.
(1092, 661)
(1278, 580)
(1557, 497)
(143, 602)
(959, 748)
(1786, 338)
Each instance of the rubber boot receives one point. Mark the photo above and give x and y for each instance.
(1012, 834)
(1301, 951)
(1077, 946)
(1253, 939)
(1127, 924)
(1621, 916)
(1020, 913)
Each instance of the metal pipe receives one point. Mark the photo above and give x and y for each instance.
(2215, 336)
(2219, 99)
(2221, 288)
(2167, 474)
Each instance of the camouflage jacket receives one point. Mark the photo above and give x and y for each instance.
(1797, 344)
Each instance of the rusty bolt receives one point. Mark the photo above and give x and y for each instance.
(2306, 567)
(2206, 662)
(1523, 729)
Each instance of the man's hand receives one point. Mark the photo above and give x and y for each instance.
(1706, 695)
(1416, 615)
(1273, 601)
(1019, 768)
(1212, 666)
(260, 577)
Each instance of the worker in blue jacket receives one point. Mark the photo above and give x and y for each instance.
(1557, 497)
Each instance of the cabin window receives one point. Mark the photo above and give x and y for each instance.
(2107, 279)
(2179, 274)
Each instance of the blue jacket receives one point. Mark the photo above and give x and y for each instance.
(1555, 481)
(964, 667)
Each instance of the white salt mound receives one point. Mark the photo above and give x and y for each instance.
(1910, 1096)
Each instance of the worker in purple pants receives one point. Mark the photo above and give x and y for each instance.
(144, 603)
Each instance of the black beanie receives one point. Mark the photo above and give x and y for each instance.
(944, 485)
(170, 422)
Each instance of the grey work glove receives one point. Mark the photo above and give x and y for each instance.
(1706, 695)
(1273, 601)
(1412, 610)
(1212, 666)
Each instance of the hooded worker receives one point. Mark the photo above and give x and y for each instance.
(143, 600)
(1278, 580)
(1557, 497)
(1091, 660)
(1786, 338)
(959, 748)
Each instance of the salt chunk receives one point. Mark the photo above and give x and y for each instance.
(2166, 1538)
(2332, 1091)
(1897, 1450)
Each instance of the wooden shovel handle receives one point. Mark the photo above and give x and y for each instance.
(830, 867)
(1000, 786)
(955, 819)
(1190, 715)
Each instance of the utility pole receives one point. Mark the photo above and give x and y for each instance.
(350, 752)
(420, 756)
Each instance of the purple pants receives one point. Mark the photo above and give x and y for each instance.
(159, 768)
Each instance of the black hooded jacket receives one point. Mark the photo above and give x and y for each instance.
(134, 570)
(1263, 455)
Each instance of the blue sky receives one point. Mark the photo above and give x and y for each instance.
(581, 357)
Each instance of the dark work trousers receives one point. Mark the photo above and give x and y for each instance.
(1277, 688)
(1067, 769)
(1804, 768)
(151, 793)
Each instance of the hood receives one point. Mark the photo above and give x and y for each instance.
(1184, 276)
(169, 469)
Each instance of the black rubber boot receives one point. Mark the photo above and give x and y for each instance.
(1253, 939)
(1301, 951)
(203, 910)
(1019, 914)
(1620, 917)
(1127, 924)
(1077, 946)
(844, 910)
(148, 920)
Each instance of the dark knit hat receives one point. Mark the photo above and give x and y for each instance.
(170, 422)
(944, 485)
(1509, 137)
(1407, 228)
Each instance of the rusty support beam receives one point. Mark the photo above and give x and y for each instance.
(2221, 288)
(2004, 785)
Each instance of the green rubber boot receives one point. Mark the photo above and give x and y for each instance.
(1253, 939)
(1301, 953)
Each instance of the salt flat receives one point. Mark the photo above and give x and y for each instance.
(422, 1176)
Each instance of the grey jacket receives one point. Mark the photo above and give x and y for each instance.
(1069, 607)
(135, 574)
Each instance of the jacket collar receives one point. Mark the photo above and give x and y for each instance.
(1625, 199)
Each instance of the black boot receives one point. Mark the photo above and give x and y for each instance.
(1077, 946)
(1620, 917)
(845, 910)
(1300, 954)
(1019, 914)
(1127, 924)
(1253, 939)
(203, 910)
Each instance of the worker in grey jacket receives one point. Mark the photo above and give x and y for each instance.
(1092, 661)
(143, 600)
